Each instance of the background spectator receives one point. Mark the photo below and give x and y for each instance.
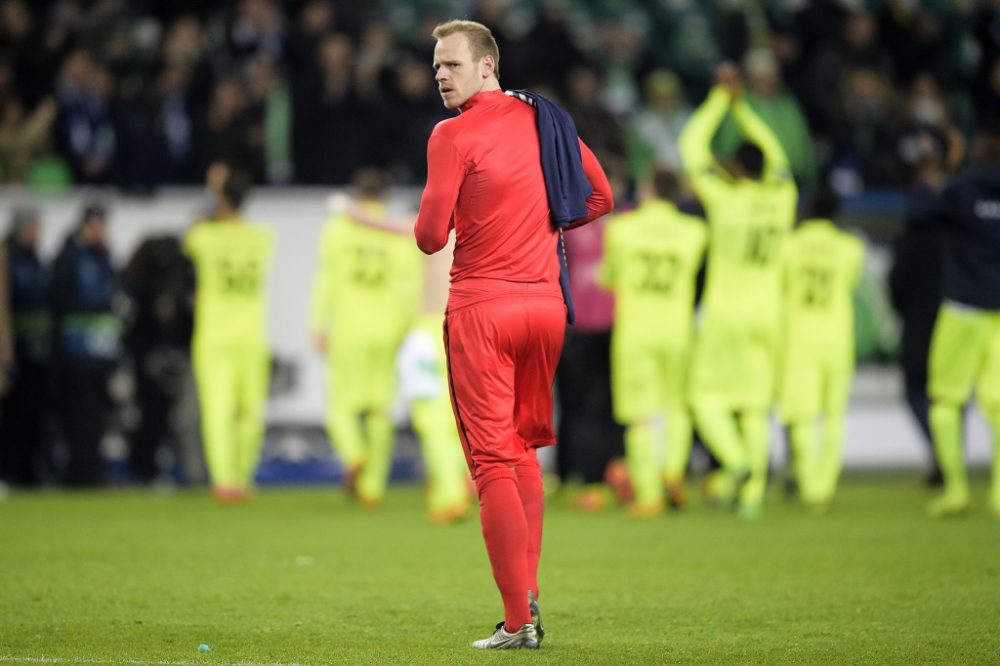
(23, 137)
(159, 282)
(6, 333)
(598, 128)
(85, 332)
(86, 130)
(25, 405)
(228, 134)
(652, 134)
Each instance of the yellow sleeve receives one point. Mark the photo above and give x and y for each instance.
(695, 140)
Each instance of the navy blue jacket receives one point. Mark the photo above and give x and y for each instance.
(969, 207)
(83, 286)
(566, 183)
(28, 281)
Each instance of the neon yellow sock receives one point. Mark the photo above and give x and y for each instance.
(717, 425)
(756, 433)
(250, 435)
(446, 487)
(946, 428)
(640, 457)
(219, 440)
(444, 461)
(804, 438)
(343, 427)
(374, 477)
(993, 417)
(831, 459)
(678, 443)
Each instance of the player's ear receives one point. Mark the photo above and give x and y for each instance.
(488, 67)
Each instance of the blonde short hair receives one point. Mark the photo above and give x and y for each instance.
(481, 41)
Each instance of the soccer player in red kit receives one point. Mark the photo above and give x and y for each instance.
(506, 315)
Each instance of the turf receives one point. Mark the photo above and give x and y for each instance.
(302, 576)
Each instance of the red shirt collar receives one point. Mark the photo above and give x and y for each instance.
(481, 98)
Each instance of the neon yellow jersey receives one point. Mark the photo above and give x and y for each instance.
(651, 259)
(369, 283)
(232, 262)
(749, 220)
(822, 266)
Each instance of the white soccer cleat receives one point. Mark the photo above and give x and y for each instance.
(536, 616)
(523, 638)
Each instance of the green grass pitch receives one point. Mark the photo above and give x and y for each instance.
(301, 576)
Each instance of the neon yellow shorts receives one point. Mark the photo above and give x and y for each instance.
(965, 352)
(646, 377)
(735, 363)
(232, 376)
(815, 379)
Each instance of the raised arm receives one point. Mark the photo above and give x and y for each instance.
(445, 172)
(695, 141)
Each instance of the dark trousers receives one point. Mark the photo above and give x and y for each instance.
(22, 425)
(155, 404)
(920, 405)
(588, 436)
(83, 409)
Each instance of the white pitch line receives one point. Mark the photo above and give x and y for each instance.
(12, 659)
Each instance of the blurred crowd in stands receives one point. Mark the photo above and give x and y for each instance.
(142, 93)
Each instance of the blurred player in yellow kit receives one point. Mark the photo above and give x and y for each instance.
(750, 206)
(821, 269)
(364, 300)
(651, 259)
(232, 260)
(423, 380)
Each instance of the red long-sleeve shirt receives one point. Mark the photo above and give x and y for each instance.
(484, 179)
